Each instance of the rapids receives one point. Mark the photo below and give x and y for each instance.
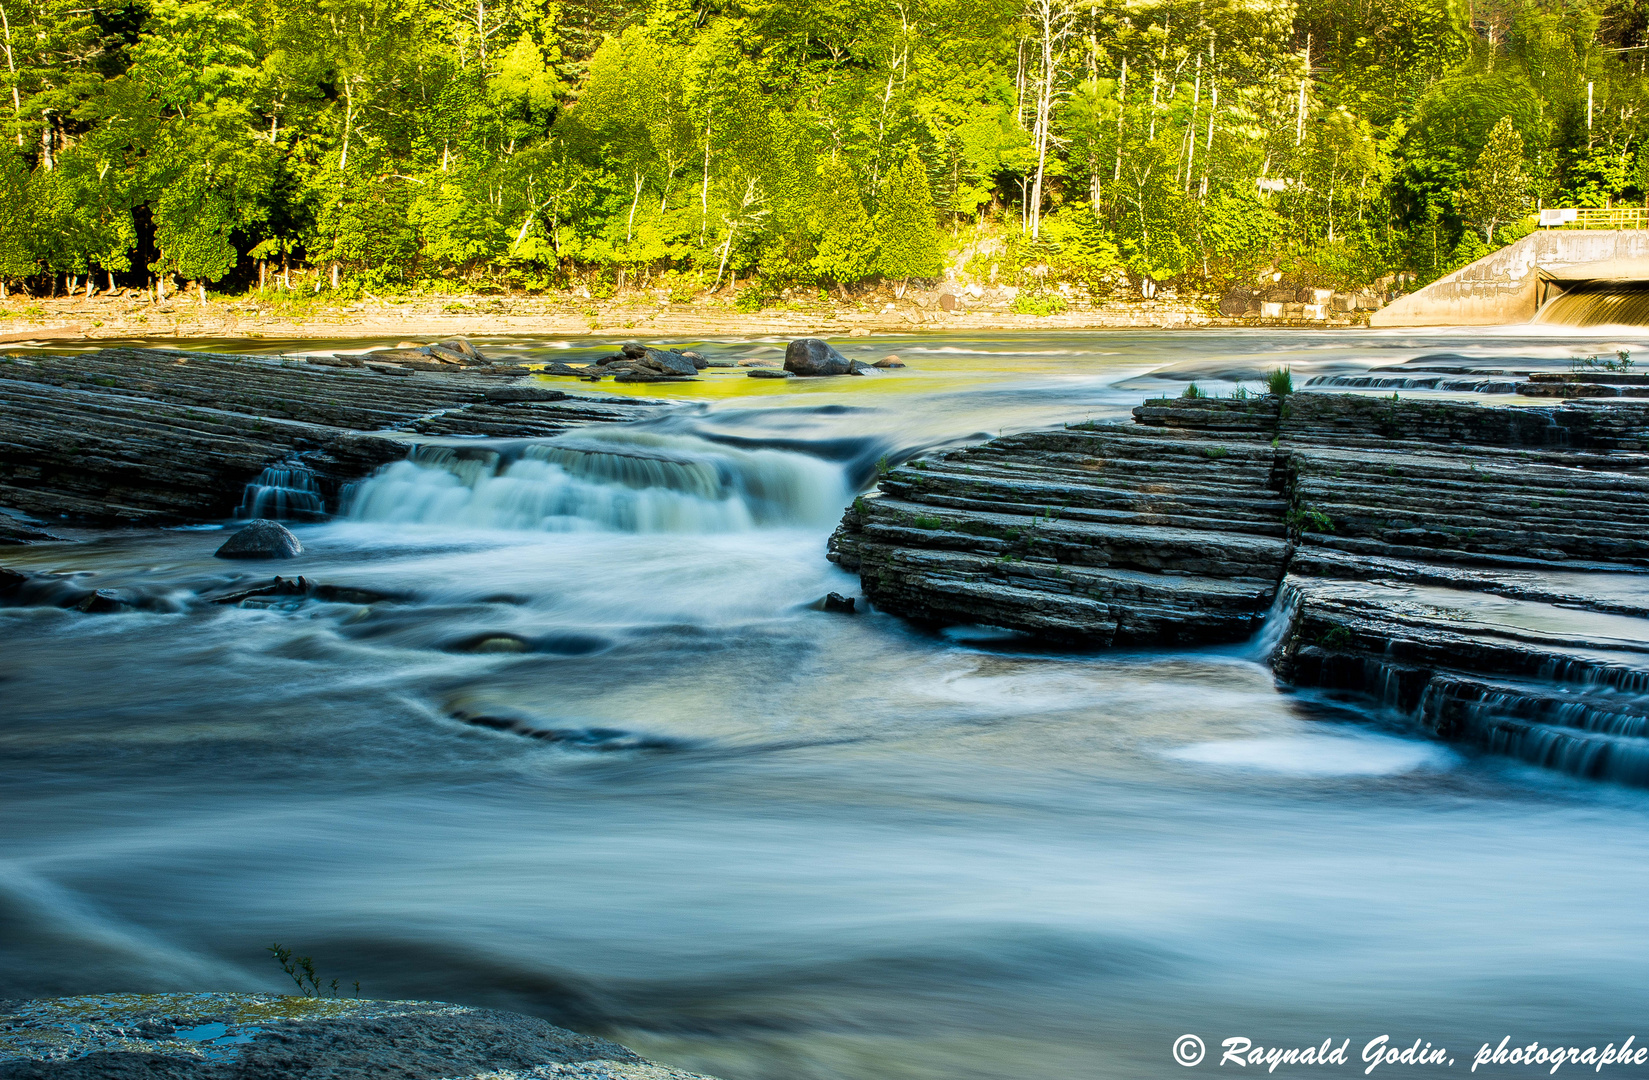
(601, 759)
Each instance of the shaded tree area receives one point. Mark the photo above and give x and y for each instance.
(373, 146)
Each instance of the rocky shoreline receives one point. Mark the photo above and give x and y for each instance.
(157, 436)
(1431, 555)
(244, 1036)
(131, 315)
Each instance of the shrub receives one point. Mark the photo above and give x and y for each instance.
(1280, 381)
(1038, 303)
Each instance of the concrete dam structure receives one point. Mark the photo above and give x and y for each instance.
(1574, 277)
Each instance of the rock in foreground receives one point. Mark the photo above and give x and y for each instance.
(223, 1036)
(262, 539)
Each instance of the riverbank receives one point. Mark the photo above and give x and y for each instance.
(215, 1036)
(131, 314)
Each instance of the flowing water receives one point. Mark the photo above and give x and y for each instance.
(599, 757)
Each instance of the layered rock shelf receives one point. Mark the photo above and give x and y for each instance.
(1484, 570)
(149, 436)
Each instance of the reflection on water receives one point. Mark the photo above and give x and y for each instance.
(604, 762)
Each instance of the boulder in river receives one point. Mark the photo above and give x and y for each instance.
(262, 539)
(836, 602)
(811, 356)
(769, 373)
(101, 602)
(890, 361)
(459, 345)
(667, 362)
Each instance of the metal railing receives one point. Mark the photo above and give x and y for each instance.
(1624, 217)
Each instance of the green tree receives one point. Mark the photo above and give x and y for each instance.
(846, 249)
(1497, 188)
(905, 226)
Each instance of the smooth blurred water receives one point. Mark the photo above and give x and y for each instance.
(604, 762)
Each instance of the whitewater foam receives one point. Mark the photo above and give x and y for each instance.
(619, 480)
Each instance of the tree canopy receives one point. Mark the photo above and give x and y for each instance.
(392, 144)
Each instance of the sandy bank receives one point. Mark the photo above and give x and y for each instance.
(131, 315)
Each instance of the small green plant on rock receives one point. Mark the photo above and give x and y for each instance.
(1337, 637)
(927, 521)
(1309, 519)
(301, 970)
(1192, 390)
(1622, 363)
(1280, 381)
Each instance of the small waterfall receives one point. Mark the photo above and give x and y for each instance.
(286, 492)
(1483, 383)
(1279, 622)
(1599, 303)
(621, 481)
(1587, 727)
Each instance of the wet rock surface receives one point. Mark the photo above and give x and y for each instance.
(149, 436)
(1483, 569)
(262, 539)
(265, 1037)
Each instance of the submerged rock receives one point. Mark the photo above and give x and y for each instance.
(211, 1036)
(838, 603)
(101, 602)
(812, 356)
(262, 539)
(769, 373)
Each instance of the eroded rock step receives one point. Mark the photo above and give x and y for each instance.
(1558, 687)
(1108, 534)
(160, 435)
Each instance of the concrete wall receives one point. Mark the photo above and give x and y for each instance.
(1507, 286)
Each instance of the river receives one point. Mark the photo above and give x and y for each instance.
(605, 762)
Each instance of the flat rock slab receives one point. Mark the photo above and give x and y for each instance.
(259, 1036)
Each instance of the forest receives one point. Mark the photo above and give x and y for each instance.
(380, 146)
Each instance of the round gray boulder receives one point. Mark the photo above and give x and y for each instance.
(811, 356)
(262, 539)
